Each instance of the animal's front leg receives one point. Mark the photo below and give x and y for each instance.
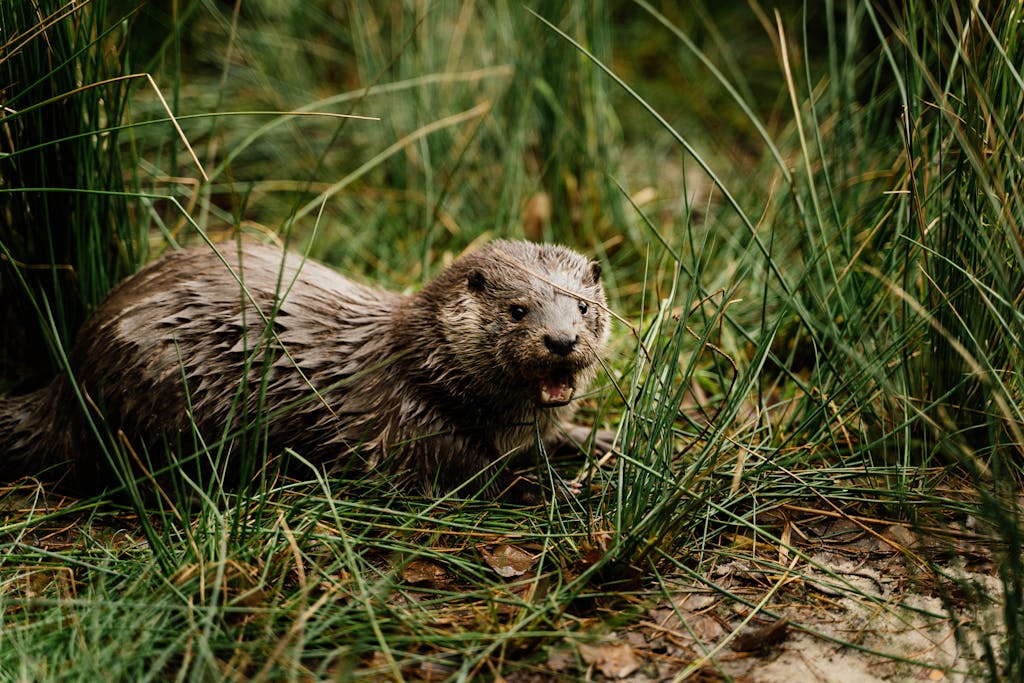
(570, 434)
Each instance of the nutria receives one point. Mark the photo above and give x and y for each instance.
(439, 388)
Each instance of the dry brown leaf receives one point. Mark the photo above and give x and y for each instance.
(508, 561)
(423, 571)
(706, 628)
(560, 660)
(763, 638)
(615, 660)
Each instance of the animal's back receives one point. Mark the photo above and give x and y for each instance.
(193, 341)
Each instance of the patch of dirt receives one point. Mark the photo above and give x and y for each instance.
(849, 600)
(864, 601)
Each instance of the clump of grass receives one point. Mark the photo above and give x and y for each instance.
(890, 278)
(64, 228)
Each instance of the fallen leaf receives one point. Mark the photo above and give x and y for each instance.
(705, 627)
(612, 660)
(508, 560)
(422, 571)
(560, 660)
(757, 639)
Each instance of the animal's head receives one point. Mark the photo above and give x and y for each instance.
(528, 318)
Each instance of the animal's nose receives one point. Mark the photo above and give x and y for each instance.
(560, 344)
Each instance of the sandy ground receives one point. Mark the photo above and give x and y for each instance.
(871, 609)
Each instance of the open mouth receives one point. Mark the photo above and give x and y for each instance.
(554, 387)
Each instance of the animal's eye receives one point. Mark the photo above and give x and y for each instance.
(517, 312)
(583, 307)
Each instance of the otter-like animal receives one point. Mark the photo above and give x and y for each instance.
(439, 388)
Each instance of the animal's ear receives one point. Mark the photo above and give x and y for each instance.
(595, 272)
(476, 280)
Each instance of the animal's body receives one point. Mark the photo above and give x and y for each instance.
(437, 387)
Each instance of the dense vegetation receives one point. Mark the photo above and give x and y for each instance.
(813, 231)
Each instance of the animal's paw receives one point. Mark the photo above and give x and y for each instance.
(598, 442)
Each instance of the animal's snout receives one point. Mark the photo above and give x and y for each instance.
(560, 344)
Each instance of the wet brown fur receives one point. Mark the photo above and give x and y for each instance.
(436, 387)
